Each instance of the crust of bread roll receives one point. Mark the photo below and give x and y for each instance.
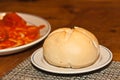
(71, 48)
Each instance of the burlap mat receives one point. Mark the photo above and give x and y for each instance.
(26, 71)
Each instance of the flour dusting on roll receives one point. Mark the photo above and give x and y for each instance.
(71, 48)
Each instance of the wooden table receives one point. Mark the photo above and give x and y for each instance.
(102, 18)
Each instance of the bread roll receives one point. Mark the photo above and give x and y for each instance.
(71, 48)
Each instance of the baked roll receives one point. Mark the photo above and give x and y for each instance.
(71, 48)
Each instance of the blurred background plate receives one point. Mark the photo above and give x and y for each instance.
(31, 19)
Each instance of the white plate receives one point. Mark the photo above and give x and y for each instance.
(32, 20)
(38, 61)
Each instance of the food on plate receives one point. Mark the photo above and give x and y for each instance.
(15, 31)
(71, 48)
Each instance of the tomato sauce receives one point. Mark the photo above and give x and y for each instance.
(14, 31)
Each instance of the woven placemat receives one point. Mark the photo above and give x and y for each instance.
(26, 71)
